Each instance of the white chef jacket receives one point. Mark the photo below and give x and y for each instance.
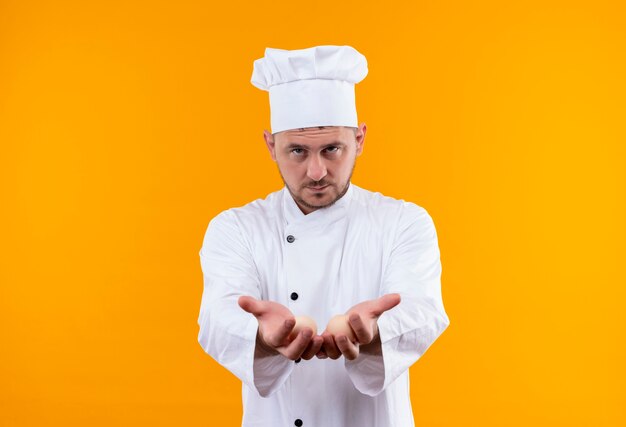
(363, 246)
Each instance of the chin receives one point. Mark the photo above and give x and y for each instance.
(321, 202)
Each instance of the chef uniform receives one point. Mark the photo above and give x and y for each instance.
(321, 264)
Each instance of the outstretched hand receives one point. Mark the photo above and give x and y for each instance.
(276, 322)
(363, 320)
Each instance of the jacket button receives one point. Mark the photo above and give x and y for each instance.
(294, 296)
(298, 422)
(291, 239)
(298, 360)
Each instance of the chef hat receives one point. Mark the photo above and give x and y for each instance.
(310, 87)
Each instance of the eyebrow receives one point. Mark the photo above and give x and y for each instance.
(293, 145)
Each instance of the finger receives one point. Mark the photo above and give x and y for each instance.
(251, 305)
(321, 354)
(298, 345)
(313, 348)
(330, 348)
(349, 350)
(384, 303)
(364, 334)
(279, 337)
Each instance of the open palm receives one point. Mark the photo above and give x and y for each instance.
(276, 323)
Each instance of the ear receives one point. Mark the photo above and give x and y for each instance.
(269, 141)
(360, 138)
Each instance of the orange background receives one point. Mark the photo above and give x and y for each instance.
(126, 126)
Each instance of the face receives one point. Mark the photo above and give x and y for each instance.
(315, 163)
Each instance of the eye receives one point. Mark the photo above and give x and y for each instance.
(332, 149)
(297, 151)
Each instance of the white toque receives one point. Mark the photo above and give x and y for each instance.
(310, 87)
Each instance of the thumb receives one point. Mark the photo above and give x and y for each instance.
(250, 305)
(384, 303)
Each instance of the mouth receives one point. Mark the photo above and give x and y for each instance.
(318, 188)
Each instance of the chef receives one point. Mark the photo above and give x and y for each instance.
(320, 247)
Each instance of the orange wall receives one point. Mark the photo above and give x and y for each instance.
(125, 128)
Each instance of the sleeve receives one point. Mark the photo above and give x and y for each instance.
(406, 331)
(228, 333)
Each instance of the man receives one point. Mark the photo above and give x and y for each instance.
(319, 247)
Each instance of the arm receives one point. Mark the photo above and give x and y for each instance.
(228, 333)
(406, 331)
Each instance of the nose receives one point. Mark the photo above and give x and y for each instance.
(316, 169)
